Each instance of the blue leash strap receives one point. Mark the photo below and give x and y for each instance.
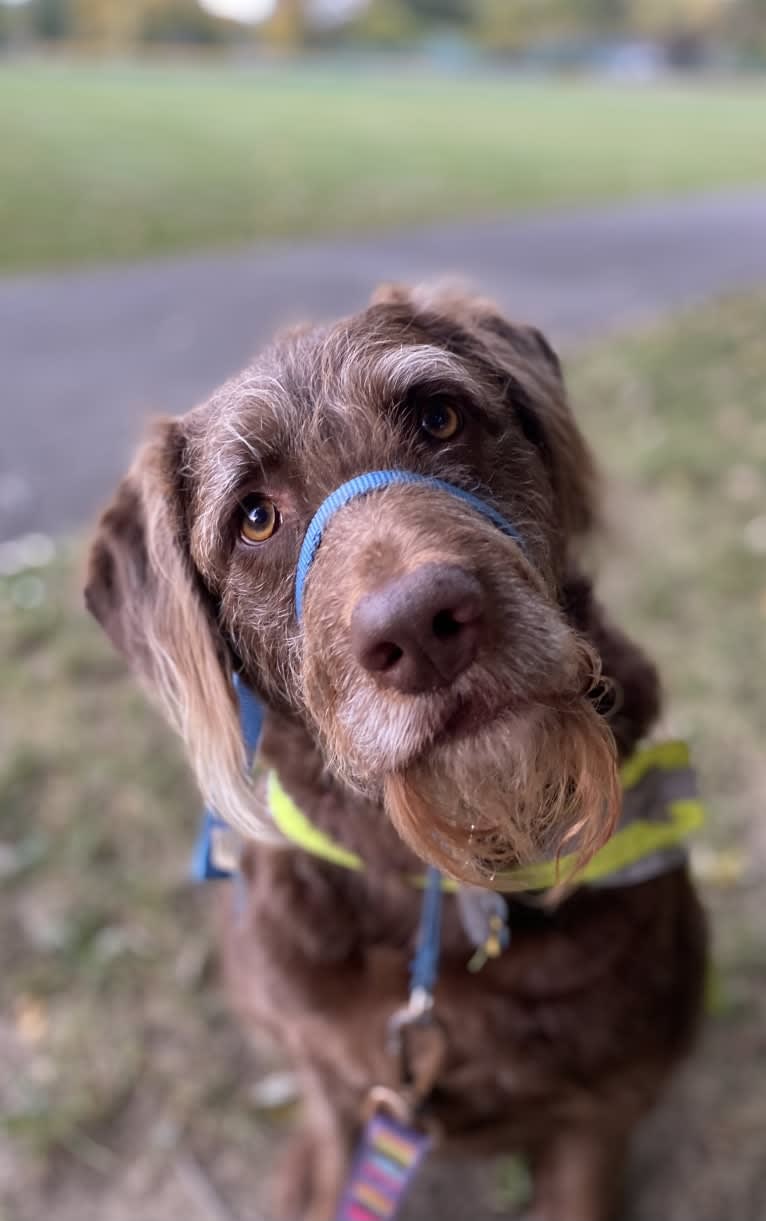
(424, 969)
(424, 972)
(392, 1146)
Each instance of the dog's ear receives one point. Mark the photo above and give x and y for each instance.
(522, 362)
(537, 392)
(144, 590)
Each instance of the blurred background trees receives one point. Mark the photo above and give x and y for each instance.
(685, 29)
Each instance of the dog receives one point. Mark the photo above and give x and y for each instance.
(451, 693)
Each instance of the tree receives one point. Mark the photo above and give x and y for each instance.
(605, 15)
(108, 23)
(444, 12)
(288, 27)
(181, 21)
(748, 26)
(662, 17)
(118, 25)
(52, 19)
(385, 23)
(510, 27)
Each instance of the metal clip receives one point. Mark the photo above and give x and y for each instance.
(383, 1098)
(417, 1012)
(419, 1045)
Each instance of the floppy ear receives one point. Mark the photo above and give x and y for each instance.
(547, 418)
(525, 366)
(143, 589)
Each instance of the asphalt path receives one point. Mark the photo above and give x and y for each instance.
(85, 356)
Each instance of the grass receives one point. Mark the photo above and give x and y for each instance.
(121, 1063)
(678, 416)
(107, 163)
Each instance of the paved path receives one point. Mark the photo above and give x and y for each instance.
(84, 356)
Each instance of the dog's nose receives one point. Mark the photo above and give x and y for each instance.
(418, 632)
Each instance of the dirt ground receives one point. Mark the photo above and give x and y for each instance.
(127, 1092)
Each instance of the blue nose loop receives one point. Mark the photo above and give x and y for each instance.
(374, 481)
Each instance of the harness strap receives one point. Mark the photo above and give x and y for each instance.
(216, 848)
(297, 828)
(660, 811)
(250, 716)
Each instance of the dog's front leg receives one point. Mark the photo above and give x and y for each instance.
(578, 1174)
(310, 1178)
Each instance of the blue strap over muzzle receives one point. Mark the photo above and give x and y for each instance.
(375, 481)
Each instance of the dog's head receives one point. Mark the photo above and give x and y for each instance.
(432, 662)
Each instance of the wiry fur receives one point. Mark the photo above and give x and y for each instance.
(517, 794)
(573, 1031)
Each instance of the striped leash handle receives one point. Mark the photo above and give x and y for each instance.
(386, 1162)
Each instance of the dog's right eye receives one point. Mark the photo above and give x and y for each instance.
(260, 519)
(441, 421)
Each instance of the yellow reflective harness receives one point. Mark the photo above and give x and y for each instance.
(660, 811)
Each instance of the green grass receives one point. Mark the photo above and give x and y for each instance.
(102, 163)
(678, 417)
(113, 1029)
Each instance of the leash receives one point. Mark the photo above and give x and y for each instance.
(425, 965)
(394, 1140)
(388, 1157)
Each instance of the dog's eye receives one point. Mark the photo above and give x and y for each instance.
(260, 519)
(441, 421)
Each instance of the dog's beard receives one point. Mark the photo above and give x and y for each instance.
(524, 789)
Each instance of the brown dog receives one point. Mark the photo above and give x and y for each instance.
(448, 695)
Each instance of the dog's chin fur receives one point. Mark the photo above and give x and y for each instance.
(523, 789)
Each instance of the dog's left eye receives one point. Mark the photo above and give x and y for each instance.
(441, 421)
(259, 520)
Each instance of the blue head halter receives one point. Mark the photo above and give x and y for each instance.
(375, 481)
(250, 707)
